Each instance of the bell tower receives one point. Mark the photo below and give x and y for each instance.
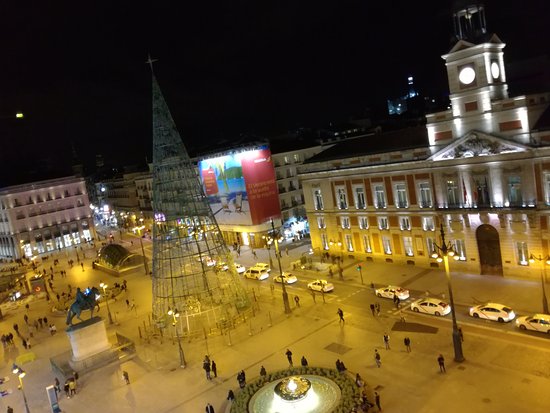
(475, 64)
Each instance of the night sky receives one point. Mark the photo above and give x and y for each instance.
(77, 70)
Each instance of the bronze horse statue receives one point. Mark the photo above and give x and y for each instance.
(84, 301)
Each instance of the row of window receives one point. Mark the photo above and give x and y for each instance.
(383, 223)
(387, 246)
(455, 191)
(43, 198)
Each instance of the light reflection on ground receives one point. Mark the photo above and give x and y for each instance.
(323, 396)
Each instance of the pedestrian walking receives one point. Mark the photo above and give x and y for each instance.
(373, 309)
(72, 386)
(82, 265)
(402, 316)
(297, 300)
(330, 273)
(209, 408)
(214, 368)
(407, 342)
(387, 341)
(127, 304)
(263, 373)
(341, 273)
(377, 358)
(341, 315)
(126, 376)
(396, 300)
(377, 401)
(286, 251)
(254, 254)
(9, 410)
(56, 386)
(460, 333)
(359, 380)
(441, 362)
(377, 305)
(289, 356)
(230, 395)
(303, 361)
(241, 378)
(67, 389)
(206, 367)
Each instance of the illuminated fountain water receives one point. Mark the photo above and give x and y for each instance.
(300, 394)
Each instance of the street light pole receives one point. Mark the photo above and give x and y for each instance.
(145, 265)
(175, 315)
(543, 263)
(275, 237)
(446, 252)
(104, 286)
(21, 373)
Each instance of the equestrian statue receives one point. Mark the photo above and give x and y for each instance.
(86, 300)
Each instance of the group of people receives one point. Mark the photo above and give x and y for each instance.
(209, 367)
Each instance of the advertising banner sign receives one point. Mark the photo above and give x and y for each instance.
(241, 187)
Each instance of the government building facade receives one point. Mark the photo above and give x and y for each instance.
(481, 170)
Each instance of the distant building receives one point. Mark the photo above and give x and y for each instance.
(44, 217)
(398, 105)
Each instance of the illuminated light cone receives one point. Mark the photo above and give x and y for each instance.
(193, 270)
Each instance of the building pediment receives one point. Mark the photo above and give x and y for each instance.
(477, 144)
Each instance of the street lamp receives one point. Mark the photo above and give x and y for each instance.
(446, 251)
(104, 286)
(21, 373)
(543, 262)
(268, 241)
(275, 237)
(145, 265)
(175, 316)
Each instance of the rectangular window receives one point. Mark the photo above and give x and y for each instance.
(363, 222)
(405, 223)
(349, 242)
(386, 242)
(380, 196)
(324, 240)
(522, 253)
(547, 188)
(318, 200)
(453, 198)
(360, 200)
(383, 223)
(459, 248)
(366, 243)
(514, 191)
(428, 223)
(401, 200)
(342, 198)
(321, 222)
(408, 246)
(345, 222)
(430, 243)
(425, 195)
(296, 157)
(481, 191)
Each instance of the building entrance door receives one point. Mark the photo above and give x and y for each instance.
(488, 245)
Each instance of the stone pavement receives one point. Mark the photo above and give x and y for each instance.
(503, 371)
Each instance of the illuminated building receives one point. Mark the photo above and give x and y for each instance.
(481, 168)
(44, 217)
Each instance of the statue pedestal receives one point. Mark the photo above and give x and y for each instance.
(89, 344)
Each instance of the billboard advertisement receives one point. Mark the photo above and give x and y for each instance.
(241, 187)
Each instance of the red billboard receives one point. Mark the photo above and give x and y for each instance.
(241, 187)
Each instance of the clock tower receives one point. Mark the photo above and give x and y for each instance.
(475, 65)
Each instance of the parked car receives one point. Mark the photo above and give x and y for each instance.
(286, 277)
(535, 322)
(240, 268)
(320, 285)
(431, 306)
(493, 311)
(391, 290)
(256, 273)
(222, 266)
(263, 265)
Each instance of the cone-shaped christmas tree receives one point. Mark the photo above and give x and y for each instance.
(193, 270)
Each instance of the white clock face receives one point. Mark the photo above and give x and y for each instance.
(467, 75)
(495, 70)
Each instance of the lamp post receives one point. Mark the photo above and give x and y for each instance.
(543, 262)
(275, 237)
(104, 287)
(145, 265)
(175, 316)
(446, 251)
(268, 241)
(21, 373)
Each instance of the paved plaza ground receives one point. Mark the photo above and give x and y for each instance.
(504, 370)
